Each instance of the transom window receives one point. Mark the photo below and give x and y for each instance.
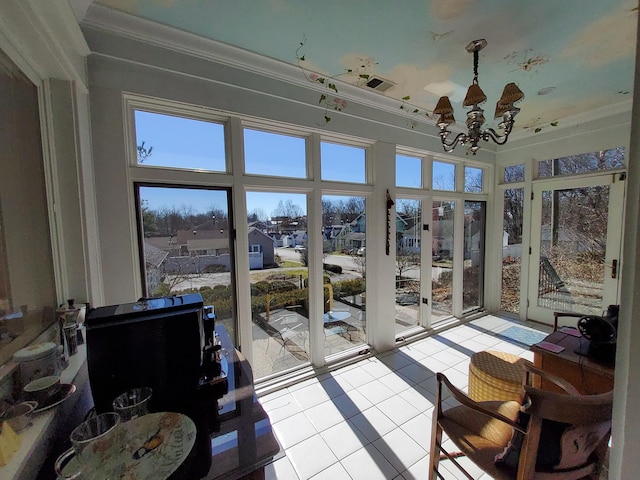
(408, 171)
(444, 176)
(343, 163)
(274, 154)
(473, 179)
(178, 142)
(514, 173)
(601, 160)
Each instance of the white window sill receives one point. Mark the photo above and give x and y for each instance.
(36, 440)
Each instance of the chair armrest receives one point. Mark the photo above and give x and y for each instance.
(557, 315)
(556, 380)
(461, 397)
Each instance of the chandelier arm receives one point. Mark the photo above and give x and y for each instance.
(495, 136)
(449, 147)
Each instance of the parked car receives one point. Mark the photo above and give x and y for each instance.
(299, 248)
(362, 251)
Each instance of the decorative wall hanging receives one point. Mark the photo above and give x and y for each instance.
(390, 204)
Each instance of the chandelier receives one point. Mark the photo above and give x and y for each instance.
(475, 117)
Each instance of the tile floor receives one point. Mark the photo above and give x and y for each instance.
(372, 420)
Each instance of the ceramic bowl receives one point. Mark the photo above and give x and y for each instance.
(41, 389)
(19, 416)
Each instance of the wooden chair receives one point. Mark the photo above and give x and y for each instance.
(557, 315)
(565, 437)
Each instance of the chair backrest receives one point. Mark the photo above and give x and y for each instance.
(572, 429)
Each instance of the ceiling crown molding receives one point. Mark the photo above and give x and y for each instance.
(108, 20)
(620, 109)
(44, 39)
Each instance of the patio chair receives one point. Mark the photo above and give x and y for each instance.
(551, 436)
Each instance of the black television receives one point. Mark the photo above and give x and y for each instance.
(154, 342)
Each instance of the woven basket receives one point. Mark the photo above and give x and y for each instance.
(496, 375)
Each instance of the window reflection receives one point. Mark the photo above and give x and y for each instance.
(27, 288)
(473, 271)
(444, 176)
(408, 171)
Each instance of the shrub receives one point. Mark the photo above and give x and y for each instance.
(332, 268)
(278, 300)
(215, 269)
(345, 288)
(325, 279)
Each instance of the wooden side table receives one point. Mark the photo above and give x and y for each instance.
(586, 374)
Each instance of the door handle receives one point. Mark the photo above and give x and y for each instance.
(614, 268)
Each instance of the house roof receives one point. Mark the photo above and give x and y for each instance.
(254, 231)
(184, 236)
(163, 243)
(154, 256)
(207, 244)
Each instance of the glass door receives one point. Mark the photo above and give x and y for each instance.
(408, 264)
(442, 259)
(575, 246)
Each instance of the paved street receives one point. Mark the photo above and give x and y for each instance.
(349, 270)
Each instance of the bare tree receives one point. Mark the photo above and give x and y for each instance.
(408, 208)
(406, 260)
(179, 274)
(288, 209)
(360, 263)
(513, 214)
(353, 207)
(143, 152)
(257, 215)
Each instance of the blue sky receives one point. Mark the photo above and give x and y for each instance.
(199, 145)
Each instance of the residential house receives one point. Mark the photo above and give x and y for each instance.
(261, 250)
(299, 237)
(154, 260)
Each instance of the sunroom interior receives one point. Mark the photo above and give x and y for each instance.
(92, 83)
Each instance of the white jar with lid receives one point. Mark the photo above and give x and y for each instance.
(37, 360)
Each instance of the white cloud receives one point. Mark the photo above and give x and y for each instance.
(447, 9)
(608, 39)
